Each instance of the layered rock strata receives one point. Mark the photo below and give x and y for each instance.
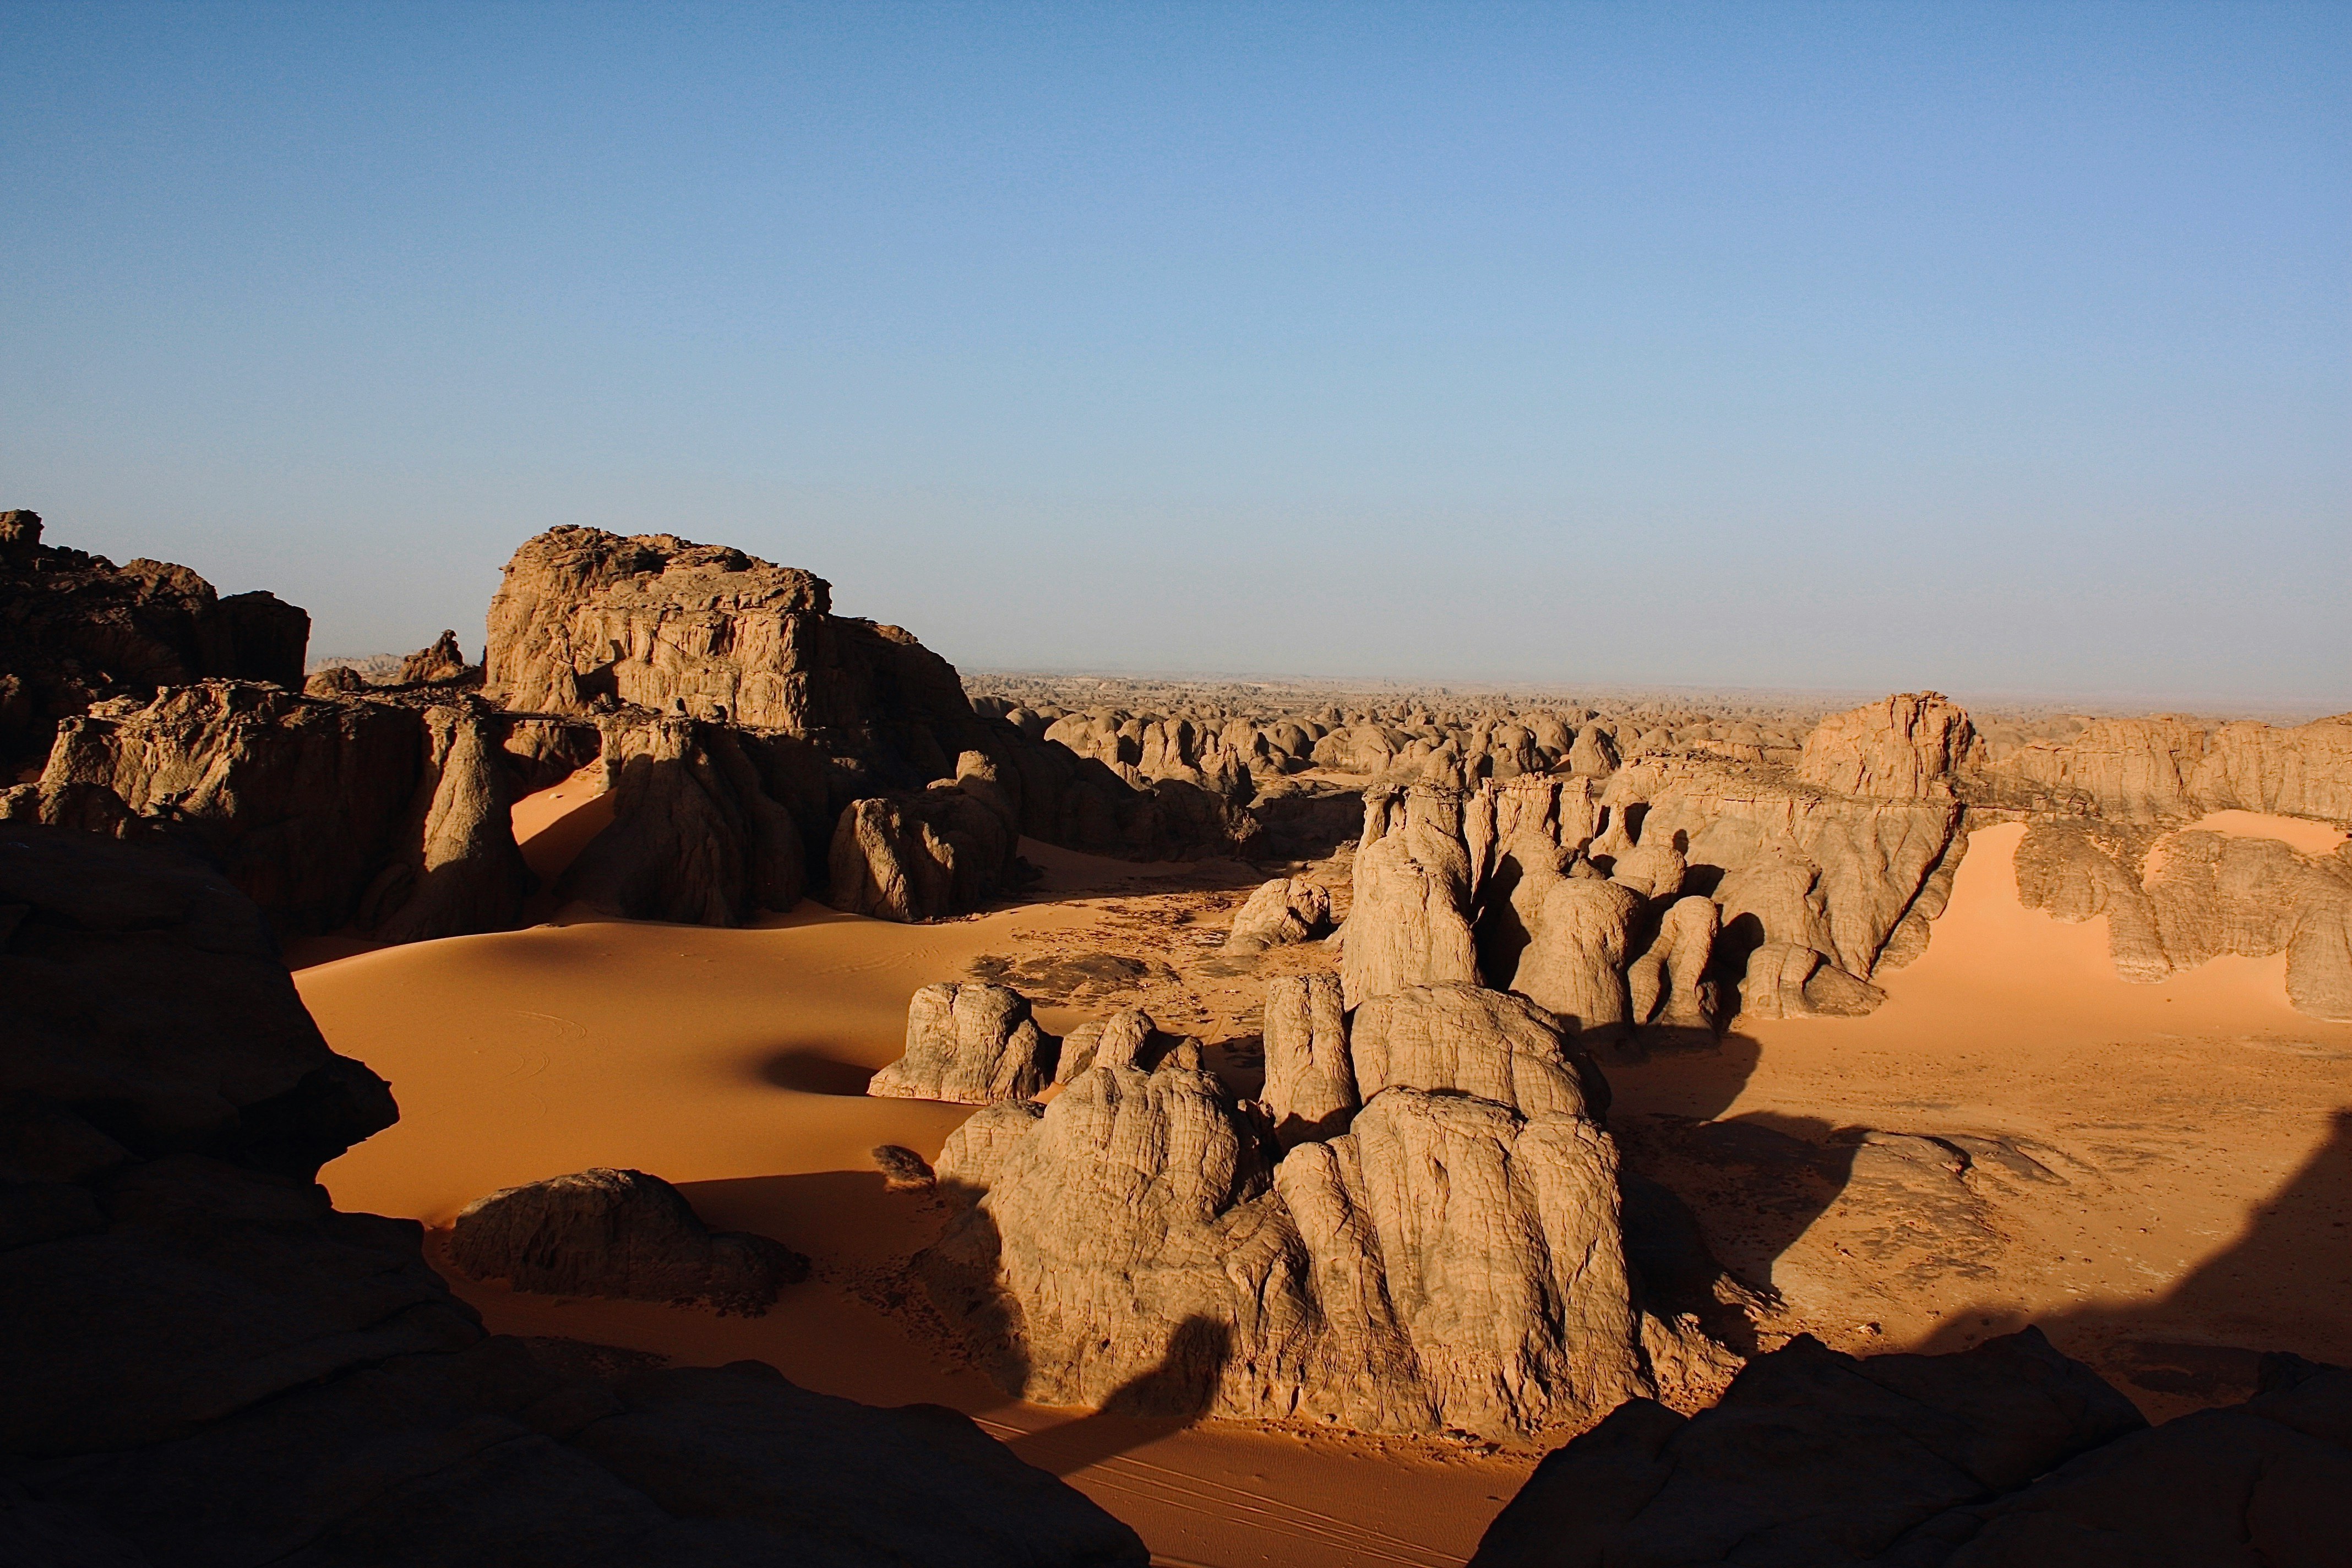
(1419, 1231)
(206, 1364)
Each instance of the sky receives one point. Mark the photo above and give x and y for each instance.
(1999, 349)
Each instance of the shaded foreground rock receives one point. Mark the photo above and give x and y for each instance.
(619, 1234)
(205, 1364)
(2008, 1455)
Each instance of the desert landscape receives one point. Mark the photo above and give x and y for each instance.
(1290, 785)
(1224, 1122)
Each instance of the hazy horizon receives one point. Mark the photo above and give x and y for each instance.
(1997, 348)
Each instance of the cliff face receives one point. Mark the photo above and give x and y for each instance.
(2142, 769)
(587, 620)
(76, 628)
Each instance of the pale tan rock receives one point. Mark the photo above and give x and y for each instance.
(921, 855)
(1578, 931)
(1499, 1236)
(1667, 984)
(972, 1045)
(1463, 1039)
(1311, 1080)
(1784, 980)
(1908, 746)
(1652, 870)
(1409, 925)
(1281, 912)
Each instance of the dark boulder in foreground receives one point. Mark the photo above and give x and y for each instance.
(205, 1364)
(2006, 1456)
(618, 1233)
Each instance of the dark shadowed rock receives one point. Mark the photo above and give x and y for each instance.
(618, 1233)
(1810, 1457)
(75, 629)
(921, 855)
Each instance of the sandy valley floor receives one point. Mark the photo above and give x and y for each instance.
(2161, 1175)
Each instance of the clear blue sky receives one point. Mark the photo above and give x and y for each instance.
(1996, 348)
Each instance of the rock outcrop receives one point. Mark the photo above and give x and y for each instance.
(1561, 890)
(444, 660)
(2000, 1456)
(619, 1234)
(206, 1362)
(325, 812)
(2173, 901)
(75, 629)
(1909, 746)
(2167, 767)
(1310, 1077)
(971, 1045)
(1285, 911)
(1446, 1256)
(919, 855)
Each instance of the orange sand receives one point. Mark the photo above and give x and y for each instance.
(2299, 833)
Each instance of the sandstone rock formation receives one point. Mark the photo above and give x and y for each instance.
(972, 1045)
(1285, 911)
(2008, 1454)
(1451, 1260)
(2139, 770)
(2172, 900)
(444, 660)
(324, 812)
(1310, 1078)
(619, 1234)
(695, 837)
(917, 855)
(1907, 747)
(1560, 890)
(206, 1362)
(76, 628)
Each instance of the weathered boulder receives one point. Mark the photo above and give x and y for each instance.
(695, 836)
(1285, 911)
(1449, 1261)
(75, 629)
(921, 855)
(586, 618)
(1311, 1080)
(1409, 925)
(1784, 980)
(1579, 930)
(1498, 1237)
(621, 1234)
(1908, 746)
(1811, 1456)
(2004, 1456)
(970, 1044)
(444, 660)
(1463, 1040)
(2174, 900)
(1668, 984)
(324, 812)
(335, 680)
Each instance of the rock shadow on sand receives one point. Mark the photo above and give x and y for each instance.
(1166, 1399)
(2203, 1340)
(807, 1071)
